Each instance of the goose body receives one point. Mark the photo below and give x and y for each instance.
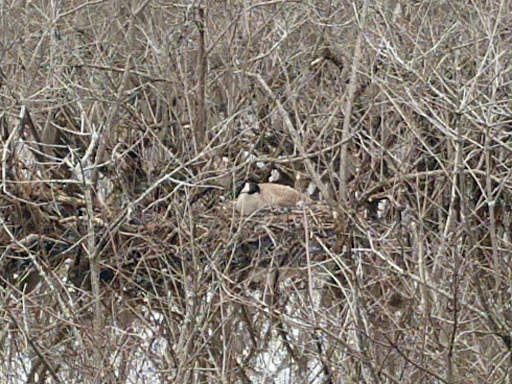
(255, 196)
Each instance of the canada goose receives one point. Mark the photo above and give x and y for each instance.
(255, 196)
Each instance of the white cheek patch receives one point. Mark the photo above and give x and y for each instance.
(246, 188)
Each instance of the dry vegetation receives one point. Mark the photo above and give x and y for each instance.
(124, 125)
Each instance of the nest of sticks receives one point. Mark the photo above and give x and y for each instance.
(157, 255)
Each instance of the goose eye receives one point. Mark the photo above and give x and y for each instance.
(237, 189)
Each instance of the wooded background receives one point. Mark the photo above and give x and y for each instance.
(125, 125)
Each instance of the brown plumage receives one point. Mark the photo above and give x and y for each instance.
(255, 196)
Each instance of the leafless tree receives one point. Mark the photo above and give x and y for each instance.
(125, 125)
